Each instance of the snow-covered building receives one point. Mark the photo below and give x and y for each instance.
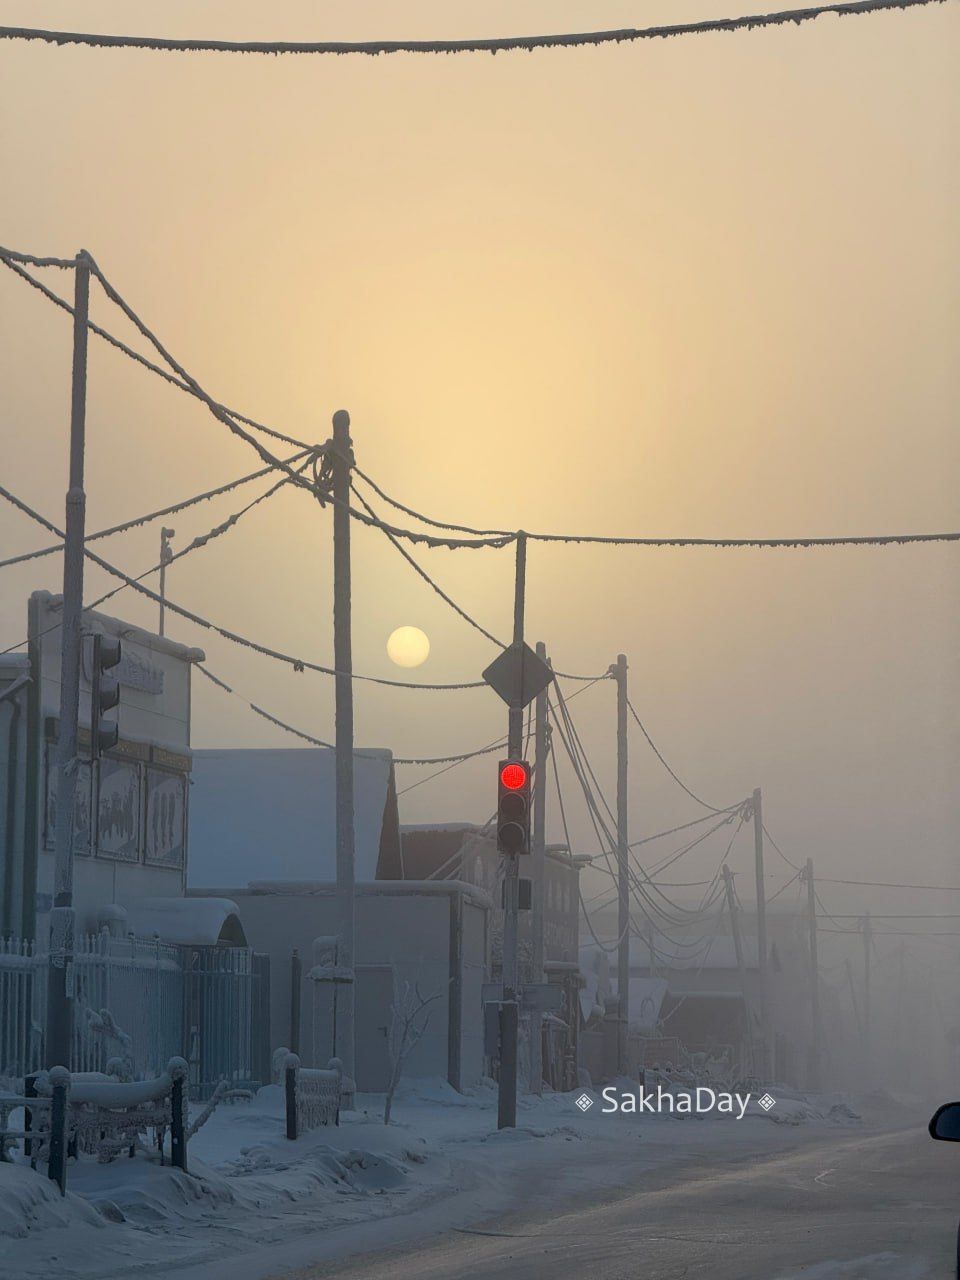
(263, 835)
(130, 821)
(466, 852)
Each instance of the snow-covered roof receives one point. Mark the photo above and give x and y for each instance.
(189, 921)
(264, 814)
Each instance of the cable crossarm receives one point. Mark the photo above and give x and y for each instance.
(498, 44)
(298, 664)
(138, 521)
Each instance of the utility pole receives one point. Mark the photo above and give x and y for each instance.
(814, 979)
(623, 871)
(341, 463)
(538, 860)
(166, 555)
(59, 1028)
(867, 1031)
(737, 939)
(509, 1008)
(761, 933)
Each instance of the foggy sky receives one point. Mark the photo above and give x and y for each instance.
(704, 286)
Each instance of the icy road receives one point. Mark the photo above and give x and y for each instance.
(879, 1207)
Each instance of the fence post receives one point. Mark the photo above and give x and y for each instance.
(177, 1071)
(336, 1065)
(296, 982)
(57, 1162)
(291, 1066)
(29, 1091)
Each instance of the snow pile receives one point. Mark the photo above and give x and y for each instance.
(30, 1202)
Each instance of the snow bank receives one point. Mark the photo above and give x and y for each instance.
(30, 1202)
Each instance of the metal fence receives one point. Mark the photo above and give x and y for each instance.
(228, 1020)
(20, 1037)
(143, 1002)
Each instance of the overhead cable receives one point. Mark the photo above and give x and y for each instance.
(680, 783)
(499, 44)
(395, 542)
(298, 664)
(138, 521)
(13, 260)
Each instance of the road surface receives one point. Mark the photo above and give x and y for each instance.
(854, 1207)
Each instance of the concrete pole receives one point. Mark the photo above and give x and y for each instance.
(814, 980)
(538, 861)
(59, 1028)
(509, 1009)
(341, 464)
(762, 958)
(623, 872)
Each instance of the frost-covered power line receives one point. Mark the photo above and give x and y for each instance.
(497, 44)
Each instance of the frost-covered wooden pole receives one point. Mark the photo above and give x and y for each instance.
(623, 872)
(341, 464)
(538, 850)
(59, 1002)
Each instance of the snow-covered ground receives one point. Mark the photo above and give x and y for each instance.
(254, 1203)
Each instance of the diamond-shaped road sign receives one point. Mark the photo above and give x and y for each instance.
(518, 675)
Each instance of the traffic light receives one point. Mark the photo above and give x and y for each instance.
(513, 807)
(104, 694)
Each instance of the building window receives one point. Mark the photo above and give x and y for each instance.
(166, 818)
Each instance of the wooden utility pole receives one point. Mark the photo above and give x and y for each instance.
(623, 872)
(854, 1000)
(867, 1031)
(538, 850)
(814, 980)
(59, 1021)
(737, 940)
(766, 1057)
(341, 463)
(509, 1008)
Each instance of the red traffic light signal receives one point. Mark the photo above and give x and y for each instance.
(513, 775)
(513, 807)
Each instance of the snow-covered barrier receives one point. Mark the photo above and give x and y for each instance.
(312, 1096)
(64, 1115)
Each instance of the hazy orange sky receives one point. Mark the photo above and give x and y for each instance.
(703, 286)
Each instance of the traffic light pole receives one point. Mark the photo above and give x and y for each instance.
(59, 1023)
(341, 463)
(623, 872)
(509, 1008)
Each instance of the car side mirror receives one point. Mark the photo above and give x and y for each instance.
(945, 1124)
